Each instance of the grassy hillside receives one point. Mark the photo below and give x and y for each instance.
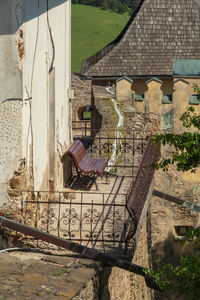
(92, 29)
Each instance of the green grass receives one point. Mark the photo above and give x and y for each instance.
(92, 29)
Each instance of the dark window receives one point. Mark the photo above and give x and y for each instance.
(167, 99)
(139, 97)
(194, 99)
(181, 231)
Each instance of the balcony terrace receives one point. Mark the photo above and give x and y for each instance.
(108, 219)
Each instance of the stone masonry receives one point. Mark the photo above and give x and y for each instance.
(82, 94)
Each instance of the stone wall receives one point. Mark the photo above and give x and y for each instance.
(10, 92)
(82, 95)
(163, 215)
(10, 136)
(118, 284)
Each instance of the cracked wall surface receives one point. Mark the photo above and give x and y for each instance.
(10, 94)
(32, 44)
(10, 137)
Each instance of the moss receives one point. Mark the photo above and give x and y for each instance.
(61, 272)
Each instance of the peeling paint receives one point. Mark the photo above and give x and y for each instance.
(20, 44)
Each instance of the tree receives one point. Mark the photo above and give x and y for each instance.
(104, 5)
(118, 6)
(186, 154)
(183, 278)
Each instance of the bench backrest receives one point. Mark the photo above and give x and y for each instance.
(77, 151)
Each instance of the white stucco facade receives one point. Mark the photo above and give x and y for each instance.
(34, 81)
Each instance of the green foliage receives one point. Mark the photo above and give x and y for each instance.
(186, 154)
(92, 29)
(184, 278)
(118, 6)
(61, 272)
(192, 235)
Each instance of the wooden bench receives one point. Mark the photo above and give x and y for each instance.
(84, 163)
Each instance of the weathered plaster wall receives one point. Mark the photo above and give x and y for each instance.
(123, 89)
(10, 92)
(34, 80)
(153, 97)
(41, 84)
(61, 31)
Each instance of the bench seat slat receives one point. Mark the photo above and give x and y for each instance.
(73, 146)
(90, 166)
(83, 166)
(79, 156)
(79, 151)
(102, 164)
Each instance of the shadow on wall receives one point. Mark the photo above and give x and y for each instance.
(18, 15)
(96, 118)
(139, 86)
(67, 168)
(169, 251)
(81, 110)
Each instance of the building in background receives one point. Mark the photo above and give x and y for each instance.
(34, 104)
(153, 65)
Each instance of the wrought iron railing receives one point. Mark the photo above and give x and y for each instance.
(104, 221)
(123, 150)
(82, 128)
(139, 188)
(96, 220)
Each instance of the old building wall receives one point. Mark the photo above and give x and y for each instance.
(124, 285)
(123, 88)
(165, 218)
(35, 87)
(10, 93)
(35, 78)
(168, 219)
(139, 87)
(62, 64)
(46, 79)
(82, 95)
(153, 97)
(118, 284)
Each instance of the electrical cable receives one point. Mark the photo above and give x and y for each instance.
(30, 126)
(51, 38)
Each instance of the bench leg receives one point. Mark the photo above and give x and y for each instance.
(107, 178)
(95, 182)
(97, 188)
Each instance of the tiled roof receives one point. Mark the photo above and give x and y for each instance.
(158, 32)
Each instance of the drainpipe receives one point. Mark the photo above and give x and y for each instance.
(108, 90)
(70, 117)
(71, 97)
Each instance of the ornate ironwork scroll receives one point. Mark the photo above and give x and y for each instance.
(98, 222)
